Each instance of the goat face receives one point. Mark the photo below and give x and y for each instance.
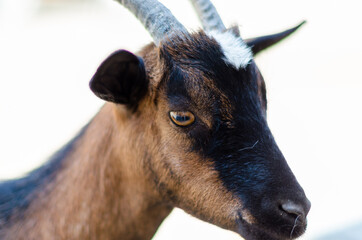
(212, 153)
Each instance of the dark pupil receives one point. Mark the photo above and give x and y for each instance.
(182, 118)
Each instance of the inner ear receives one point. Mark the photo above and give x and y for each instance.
(121, 78)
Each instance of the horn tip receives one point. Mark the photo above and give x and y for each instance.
(301, 24)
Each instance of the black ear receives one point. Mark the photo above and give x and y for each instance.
(121, 78)
(260, 43)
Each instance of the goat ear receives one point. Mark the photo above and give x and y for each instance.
(121, 78)
(258, 44)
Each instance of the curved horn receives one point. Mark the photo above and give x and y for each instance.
(208, 15)
(155, 17)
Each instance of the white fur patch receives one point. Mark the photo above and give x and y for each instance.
(236, 52)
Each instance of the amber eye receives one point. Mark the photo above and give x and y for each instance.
(182, 119)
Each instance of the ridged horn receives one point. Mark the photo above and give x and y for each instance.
(209, 17)
(155, 17)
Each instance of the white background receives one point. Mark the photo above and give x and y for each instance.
(50, 49)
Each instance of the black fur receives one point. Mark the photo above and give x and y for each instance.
(240, 143)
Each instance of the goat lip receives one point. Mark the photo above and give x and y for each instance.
(298, 225)
(248, 232)
(257, 232)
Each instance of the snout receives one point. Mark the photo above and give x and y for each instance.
(280, 218)
(279, 207)
(273, 204)
(293, 214)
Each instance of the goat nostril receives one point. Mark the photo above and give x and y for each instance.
(293, 209)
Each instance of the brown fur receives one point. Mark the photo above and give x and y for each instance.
(102, 192)
(132, 166)
(119, 184)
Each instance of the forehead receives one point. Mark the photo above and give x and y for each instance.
(208, 69)
(210, 48)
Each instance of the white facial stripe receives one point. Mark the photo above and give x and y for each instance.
(236, 52)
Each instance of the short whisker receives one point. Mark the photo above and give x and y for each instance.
(294, 226)
(247, 148)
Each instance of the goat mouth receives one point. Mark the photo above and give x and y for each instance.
(257, 231)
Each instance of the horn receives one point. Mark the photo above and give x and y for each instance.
(155, 17)
(209, 17)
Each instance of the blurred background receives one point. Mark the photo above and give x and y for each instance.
(49, 50)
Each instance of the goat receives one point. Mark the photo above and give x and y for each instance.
(184, 125)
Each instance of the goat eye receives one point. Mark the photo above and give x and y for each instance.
(182, 119)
